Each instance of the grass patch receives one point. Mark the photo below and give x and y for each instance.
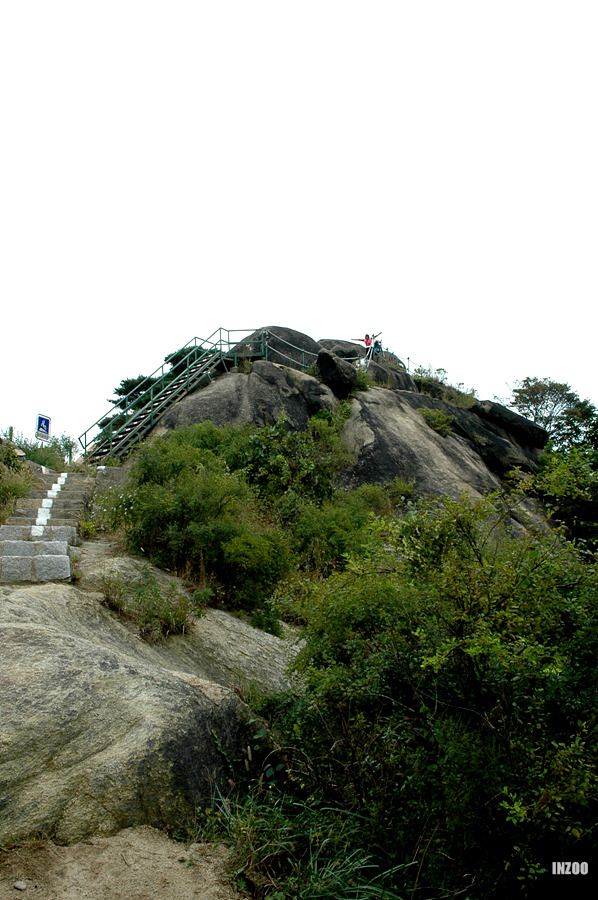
(438, 420)
(157, 612)
(16, 480)
(286, 848)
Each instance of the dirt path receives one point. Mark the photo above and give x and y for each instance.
(136, 864)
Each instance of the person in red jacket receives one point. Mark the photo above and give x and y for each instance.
(369, 345)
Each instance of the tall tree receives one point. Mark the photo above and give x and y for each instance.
(570, 421)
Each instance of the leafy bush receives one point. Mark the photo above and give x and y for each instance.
(184, 510)
(400, 490)
(16, 480)
(255, 562)
(568, 483)
(448, 698)
(56, 454)
(157, 612)
(438, 420)
(276, 461)
(363, 382)
(434, 382)
(184, 522)
(323, 535)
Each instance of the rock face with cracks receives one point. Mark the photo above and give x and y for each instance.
(388, 431)
(259, 397)
(100, 731)
(391, 437)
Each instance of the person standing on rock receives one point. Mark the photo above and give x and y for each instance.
(369, 345)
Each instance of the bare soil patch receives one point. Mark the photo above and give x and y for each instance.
(137, 864)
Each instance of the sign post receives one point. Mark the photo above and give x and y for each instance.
(42, 431)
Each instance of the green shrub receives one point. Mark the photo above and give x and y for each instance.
(374, 497)
(56, 454)
(87, 529)
(254, 563)
(323, 535)
(185, 511)
(157, 612)
(434, 382)
(245, 366)
(400, 490)
(16, 480)
(276, 461)
(448, 697)
(438, 420)
(567, 482)
(363, 382)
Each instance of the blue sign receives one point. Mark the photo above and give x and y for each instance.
(42, 431)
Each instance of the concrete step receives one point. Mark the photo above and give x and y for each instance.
(33, 548)
(62, 501)
(71, 493)
(33, 520)
(82, 482)
(58, 533)
(43, 567)
(34, 543)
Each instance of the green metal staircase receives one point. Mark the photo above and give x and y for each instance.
(138, 412)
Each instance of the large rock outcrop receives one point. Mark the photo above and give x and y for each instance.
(337, 373)
(390, 436)
(284, 345)
(99, 730)
(388, 431)
(259, 397)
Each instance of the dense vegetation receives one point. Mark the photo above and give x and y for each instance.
(16, 478)
(568, 477)
(441, 740)
(236, 510)
(441, 736)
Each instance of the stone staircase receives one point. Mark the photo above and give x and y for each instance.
(36, 540)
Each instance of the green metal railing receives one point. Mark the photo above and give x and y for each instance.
(131, 418)
(114, 433)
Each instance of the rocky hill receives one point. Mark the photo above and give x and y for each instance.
(100, 731)
(391, 430)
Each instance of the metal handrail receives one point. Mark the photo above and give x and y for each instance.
(145, 416)
(136, 412)
(302, 351)
(133, 408)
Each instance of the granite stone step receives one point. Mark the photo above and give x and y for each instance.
(35, 520)
(71, 494)
(62, 501)
(33, 548)
(34, 543)
(42, 567)
(58, 533)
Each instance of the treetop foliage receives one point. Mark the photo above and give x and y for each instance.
(569, 421)
(568, 478)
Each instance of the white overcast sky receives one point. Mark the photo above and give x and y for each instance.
(425, 169)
